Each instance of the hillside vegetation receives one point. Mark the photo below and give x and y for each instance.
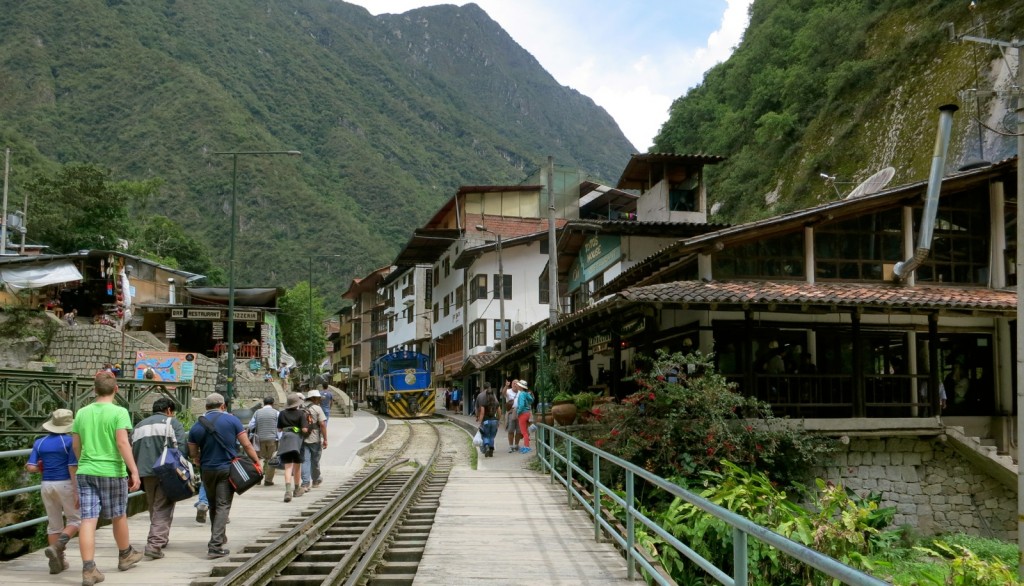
(391, 113)
(845, 89)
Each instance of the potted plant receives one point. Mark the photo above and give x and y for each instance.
(563, 407)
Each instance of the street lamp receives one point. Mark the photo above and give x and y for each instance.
(311, 257)
(500, 289)
(230, 378)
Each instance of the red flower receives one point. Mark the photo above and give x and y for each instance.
(615, 432)
(758, 447)
(661, 377)
(599, 443)
(711, 451)
(650, 397)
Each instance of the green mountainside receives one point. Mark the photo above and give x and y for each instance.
(391, 113)
(845, 89)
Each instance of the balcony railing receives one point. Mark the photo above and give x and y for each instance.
(835, 396)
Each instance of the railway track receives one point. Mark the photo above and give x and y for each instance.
(371, 530)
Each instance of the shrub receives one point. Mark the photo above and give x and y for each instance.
(686, 418)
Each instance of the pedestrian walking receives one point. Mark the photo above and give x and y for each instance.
(314, 443)
(488, 411)
(327, 398)
(106, 473)
(216, 430)
(509, 392)
(291, 422)
(264, 427)
(54, 456)
(150, 437)
(524, 406)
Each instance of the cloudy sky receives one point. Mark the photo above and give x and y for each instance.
(632, 57)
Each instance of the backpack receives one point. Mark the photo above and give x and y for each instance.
(310, 420)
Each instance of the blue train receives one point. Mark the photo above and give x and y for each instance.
(402, 386)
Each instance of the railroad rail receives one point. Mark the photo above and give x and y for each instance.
(371, 530)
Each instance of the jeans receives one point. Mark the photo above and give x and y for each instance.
(311, 463)
(489, 429)
(217, 484)
(203, 501)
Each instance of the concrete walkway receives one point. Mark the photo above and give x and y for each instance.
(506, 524)
(260, 509)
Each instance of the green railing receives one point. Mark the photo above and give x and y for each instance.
(27, 398)
(27, 489)
(558, 462)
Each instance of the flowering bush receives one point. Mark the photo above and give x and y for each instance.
(686, 418)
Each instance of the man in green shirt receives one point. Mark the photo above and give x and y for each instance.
(101, 443)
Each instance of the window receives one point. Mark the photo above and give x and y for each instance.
(859, 248)
(781, 258)
(478, 288)
(460, 296)
(437, 276)
(408, 314)
(478, 333)
(683, 197)
(391, 323)
(447, 305)
(436, 308)
(506, 291)
(543, 287)
(447, 267)
(500, 333)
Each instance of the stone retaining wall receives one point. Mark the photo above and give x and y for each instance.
(932, 487)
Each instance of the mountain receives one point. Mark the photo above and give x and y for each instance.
(392, 113)
(845, 89)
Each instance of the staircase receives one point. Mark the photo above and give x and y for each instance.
(982, 453)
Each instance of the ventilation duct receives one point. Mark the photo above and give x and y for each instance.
(903, 269)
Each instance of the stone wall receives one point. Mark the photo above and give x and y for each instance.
(84, 349)
(932, 487)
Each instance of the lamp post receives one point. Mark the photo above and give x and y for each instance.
(500, 290)
(230, 377)
(310, 348)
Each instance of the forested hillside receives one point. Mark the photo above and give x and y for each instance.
(391, 113)
(845, 89)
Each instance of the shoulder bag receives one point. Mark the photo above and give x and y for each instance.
(243, 473)
(173, 471)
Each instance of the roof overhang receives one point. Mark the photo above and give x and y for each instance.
(425, 247)
(638, 172)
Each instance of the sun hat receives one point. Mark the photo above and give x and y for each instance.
(314, 394)
(294, 400)
(60, 421)
(523, 384)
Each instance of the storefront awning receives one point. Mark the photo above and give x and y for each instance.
(35, 276)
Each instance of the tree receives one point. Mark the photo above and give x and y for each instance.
(303, 338)
(82, 208)
(165, 241)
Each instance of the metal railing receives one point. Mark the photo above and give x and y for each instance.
(554, 462)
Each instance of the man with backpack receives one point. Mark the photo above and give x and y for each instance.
(488, 411)
(150, 437)
(314, 443)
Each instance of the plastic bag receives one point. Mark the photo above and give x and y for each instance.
(478, 440)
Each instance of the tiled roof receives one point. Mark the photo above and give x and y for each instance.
(880, 295)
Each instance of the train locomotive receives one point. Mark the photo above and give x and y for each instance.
(401, 385)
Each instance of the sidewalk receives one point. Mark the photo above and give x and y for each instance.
(506, 524)
(253, 514)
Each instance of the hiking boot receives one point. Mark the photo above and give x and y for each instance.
(126, 561)
(154, 553)
(201, 513)
(317, 483)
(300, 491)
(92, 576)
(268, 483)
(55, 557)
(64, 564)
(288, 495)
(217, 552)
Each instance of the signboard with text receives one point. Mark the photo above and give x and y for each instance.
(176, 367)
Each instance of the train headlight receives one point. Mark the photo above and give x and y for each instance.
(426, 394)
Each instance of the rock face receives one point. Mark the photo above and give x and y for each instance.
(16, 353)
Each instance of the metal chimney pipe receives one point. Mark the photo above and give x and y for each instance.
(903, 269)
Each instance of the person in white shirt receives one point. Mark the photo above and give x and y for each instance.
(510, 390)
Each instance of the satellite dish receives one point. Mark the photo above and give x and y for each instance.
(873, 184)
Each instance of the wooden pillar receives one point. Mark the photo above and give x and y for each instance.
(933, 363)
(860, 408)
(748, 355)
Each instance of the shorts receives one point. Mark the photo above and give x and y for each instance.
(291, 457)
(59, 501)
(511, 423)
(102, 497)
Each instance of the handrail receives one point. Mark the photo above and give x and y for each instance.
(741, 527)
(28, 489)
